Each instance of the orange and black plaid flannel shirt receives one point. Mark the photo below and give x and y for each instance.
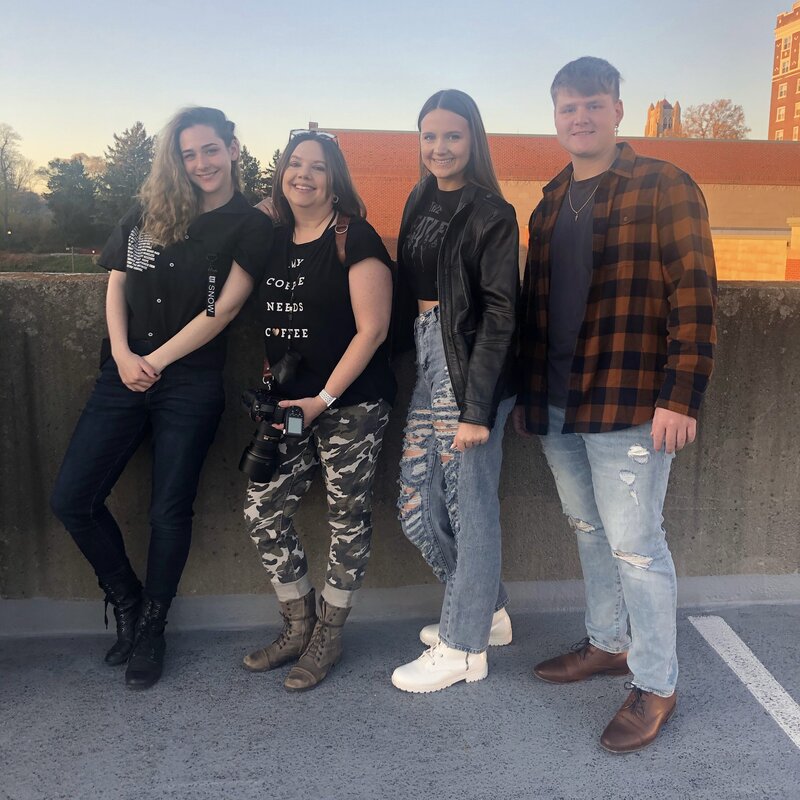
(648, 336)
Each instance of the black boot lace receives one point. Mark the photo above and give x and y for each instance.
(581, 647)
(637, 705)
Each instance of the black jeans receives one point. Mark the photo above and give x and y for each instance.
(182, 409)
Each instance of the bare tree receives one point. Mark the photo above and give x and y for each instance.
(721, 119)
(15, 176)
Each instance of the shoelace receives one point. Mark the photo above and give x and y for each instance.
(638, 703)
(316, 646)
(433, 652)
(581, 647)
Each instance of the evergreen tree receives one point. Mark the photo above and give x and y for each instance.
(127, 164)
(269, 173)
(71, 198)
(252, 176)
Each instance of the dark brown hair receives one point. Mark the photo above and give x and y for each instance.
(587, 76)
(340, 184)
(480, 169)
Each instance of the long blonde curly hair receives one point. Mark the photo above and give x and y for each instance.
(170, 201)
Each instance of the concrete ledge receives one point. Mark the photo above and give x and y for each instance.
(46, 617)
(732, 509)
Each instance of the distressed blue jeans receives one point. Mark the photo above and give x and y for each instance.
(612, 488)
(448, 502)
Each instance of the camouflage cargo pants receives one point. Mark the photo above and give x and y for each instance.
(346, 442)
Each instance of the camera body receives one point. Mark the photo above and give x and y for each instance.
(260, 458)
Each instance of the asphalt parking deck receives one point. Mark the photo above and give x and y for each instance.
(210, 730)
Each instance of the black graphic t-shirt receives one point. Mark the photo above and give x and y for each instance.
(167, 287)
(424, 240)
(305, 305)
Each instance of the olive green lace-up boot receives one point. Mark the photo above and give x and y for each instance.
(323, 651)
(299, 618)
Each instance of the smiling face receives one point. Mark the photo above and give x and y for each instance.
(445, 146)
(208, 161)
(586, 127)
(305, 181)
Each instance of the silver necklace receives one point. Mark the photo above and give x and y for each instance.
(577, 211)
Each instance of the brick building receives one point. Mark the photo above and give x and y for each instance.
(663, 119)
(784, 110)
(752, 189)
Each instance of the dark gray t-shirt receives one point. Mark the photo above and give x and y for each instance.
(570, 279)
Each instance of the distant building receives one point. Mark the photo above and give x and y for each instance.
(663, 119)
(752, 189)
(784, 110)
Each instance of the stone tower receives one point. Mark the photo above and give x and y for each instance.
(663, 119)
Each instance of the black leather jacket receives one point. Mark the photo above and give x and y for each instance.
(478, 278)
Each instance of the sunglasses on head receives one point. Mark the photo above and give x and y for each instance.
(314, 132)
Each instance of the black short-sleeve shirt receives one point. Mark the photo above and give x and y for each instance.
(166, 287)
(305, 306)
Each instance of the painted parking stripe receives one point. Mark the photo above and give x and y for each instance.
(752, 673)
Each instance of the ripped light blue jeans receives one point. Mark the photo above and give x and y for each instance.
(448, 502)
(612, 488)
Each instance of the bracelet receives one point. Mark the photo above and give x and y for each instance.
(328, 399)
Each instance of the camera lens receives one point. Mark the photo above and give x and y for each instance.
(260, 458)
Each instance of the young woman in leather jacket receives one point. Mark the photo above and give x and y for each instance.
(458, 255)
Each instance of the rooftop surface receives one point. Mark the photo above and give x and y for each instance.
(210, 730)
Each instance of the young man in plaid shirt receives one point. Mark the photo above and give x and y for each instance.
(617, 342)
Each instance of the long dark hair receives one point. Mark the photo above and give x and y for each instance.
(340, 184)
(480, 169)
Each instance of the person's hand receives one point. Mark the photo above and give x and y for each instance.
(519, 422)
(312, 407)
(469, 435)
(266, 206)
(672, 430)
(135, 372)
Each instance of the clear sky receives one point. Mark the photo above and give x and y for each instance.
(74, 73)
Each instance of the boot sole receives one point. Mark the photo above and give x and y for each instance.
(313, 685)
(269, 668)
(611, 673)
(138, 687)
(441, 685)
(644, 746)
(492, 642)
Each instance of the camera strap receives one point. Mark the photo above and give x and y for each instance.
(266, 376)
(340, 230)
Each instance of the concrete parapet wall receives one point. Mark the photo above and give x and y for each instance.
(733, 507)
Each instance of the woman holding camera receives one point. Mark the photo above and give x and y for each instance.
(326, 305)
(458, 271)
(181, 264)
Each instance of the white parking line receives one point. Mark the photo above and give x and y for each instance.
(752, 673)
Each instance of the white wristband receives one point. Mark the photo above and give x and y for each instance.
(328, 399)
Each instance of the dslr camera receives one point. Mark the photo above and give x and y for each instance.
(260, 458)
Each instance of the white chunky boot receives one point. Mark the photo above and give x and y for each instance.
(439, 667)
(499, 633)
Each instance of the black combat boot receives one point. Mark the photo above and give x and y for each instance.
(323, 651)
(299, 617)
(147, 656)
(124, 592)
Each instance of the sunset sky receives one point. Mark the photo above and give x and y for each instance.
(72, 74)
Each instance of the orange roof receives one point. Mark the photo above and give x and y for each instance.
(533, 157)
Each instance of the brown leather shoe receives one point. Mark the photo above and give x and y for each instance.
(638, 722)
(582, 661)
